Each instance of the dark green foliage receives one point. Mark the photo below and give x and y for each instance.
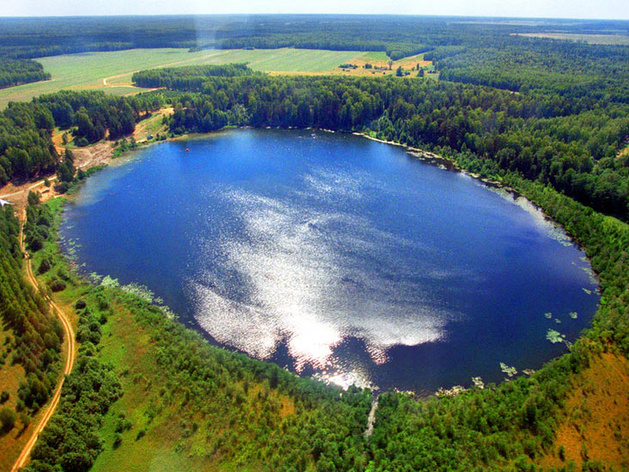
(57, 285)
(22, 71)
(33, 198)
(71, 439)
(4, 396)
(92, 114)
(37, 336)
(38, 227)
(7, 419)
(19, 131)
(66, 169)
(569, 145)
(44, 266)
(214, 382)
(555, 132)
(26, 148)
(187, 78)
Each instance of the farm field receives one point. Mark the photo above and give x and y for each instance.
(609, 39)
(112, 71)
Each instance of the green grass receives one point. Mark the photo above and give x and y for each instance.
(87, 71)
(375, 56)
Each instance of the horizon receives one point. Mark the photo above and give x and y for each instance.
(606, 10)
(417, 15)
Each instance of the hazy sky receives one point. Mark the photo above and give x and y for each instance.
(601, 9)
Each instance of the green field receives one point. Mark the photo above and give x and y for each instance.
(112, 71)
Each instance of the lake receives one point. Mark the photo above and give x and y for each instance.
(336, 256)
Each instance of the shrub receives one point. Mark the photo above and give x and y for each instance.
(7, 419)
(44, 266)
(57, 285)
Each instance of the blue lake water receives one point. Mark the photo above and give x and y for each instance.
(337, 256)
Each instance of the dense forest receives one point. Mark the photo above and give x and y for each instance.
(21, 71)
(36, 335)
(26, 148)
(572, 145)
(398, 36)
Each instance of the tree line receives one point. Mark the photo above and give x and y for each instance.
(26, 147)
(36, 335)
(573, 146)
(20, 71)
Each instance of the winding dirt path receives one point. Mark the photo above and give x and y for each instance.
(69, 364)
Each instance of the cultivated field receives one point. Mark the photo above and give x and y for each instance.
(112, 71)
(618, 39)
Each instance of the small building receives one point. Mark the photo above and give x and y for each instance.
(4, 202)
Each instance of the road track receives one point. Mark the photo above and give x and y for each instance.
(69, 364)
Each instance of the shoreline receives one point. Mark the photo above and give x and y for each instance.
(105, 156)
(430, 158)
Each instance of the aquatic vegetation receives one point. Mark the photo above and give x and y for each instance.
(510, 371)
(478, 383)
(589, 292)
(557, 320)
(110, 282)
(548, 315)
(139, 291)
(573, 315)
(450, 392)
(555, 336)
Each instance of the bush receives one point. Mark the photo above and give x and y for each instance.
(44, 266)
(7, 419)
(4, 396)
(25, 419)
(57, 285)
(33, 198)
(80, 304)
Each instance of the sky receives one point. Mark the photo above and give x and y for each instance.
(594, 9)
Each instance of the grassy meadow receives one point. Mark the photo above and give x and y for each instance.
(112, 71)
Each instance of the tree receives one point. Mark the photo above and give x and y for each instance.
(7, 419)
(33, 198)
(66, 168)
(399, 72)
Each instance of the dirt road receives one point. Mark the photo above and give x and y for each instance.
(69, 364)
